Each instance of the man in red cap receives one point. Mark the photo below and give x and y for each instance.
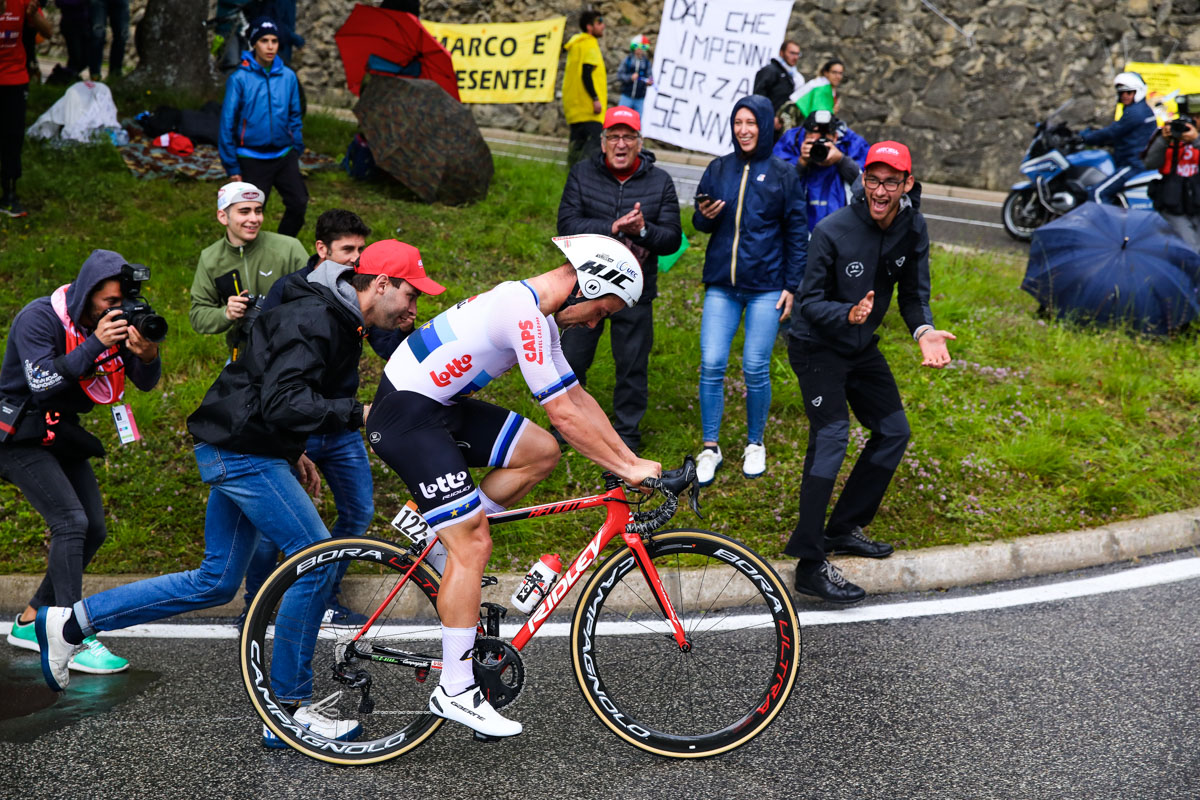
(298, 377)
(856, 256)
(620, 193)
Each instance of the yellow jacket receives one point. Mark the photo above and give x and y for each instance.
(583, 48)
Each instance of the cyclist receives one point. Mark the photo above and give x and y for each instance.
(424, 406)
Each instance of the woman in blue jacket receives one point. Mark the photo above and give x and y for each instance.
(261, 138)
(754, 207)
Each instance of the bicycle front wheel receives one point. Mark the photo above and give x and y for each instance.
(379, 680)
(744, 646)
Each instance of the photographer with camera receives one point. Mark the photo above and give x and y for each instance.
(1173, 152)
(235, 273)
(65, 354)
(828, 158)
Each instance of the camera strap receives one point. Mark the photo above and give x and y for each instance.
(107, 385)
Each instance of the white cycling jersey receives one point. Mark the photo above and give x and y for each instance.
(464, 348)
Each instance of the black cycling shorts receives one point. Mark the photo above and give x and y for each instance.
(433, 447)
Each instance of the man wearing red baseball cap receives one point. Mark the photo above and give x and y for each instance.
(856, 256)
(621, 193)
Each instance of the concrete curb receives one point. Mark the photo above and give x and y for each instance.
(906, 571)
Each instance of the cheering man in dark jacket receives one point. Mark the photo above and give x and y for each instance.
(299, 376)
(621, 193)
(65, 354)
(856, 257)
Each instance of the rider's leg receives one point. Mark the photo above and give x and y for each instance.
(468, 548)
(534, 456)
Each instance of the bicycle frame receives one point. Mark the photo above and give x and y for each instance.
(617, 509)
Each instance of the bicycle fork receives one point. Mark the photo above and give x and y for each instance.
(650, 573)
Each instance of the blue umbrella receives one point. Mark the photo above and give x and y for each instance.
(1109, 265)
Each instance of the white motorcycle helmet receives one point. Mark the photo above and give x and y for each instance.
(1131, 82)
(602, 266)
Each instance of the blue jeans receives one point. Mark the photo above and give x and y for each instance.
(249, 495)
(342, 459)
(723, 309)
(116, 14)
(629, 102)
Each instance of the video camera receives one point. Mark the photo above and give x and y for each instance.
(825, 124)
(134, 308)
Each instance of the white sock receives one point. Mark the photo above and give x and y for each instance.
(457, 674)
(490, 506)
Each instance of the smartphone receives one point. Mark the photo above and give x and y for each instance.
(701, 197)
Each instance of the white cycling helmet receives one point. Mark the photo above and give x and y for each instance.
(602, 266)
(1131, 82)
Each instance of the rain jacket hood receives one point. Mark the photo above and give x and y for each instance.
(101, 265)
(765, 117)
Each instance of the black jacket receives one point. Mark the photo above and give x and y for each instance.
(848, 256)
(593, 199)
(298, 376)
(775, 83)
(37, 367)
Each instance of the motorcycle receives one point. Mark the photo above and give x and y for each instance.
(1062, 174)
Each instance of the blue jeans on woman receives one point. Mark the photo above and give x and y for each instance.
(342, 459)
(250, 495)
(115, 15)
(723, 310)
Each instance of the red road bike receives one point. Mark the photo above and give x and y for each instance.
(684, 642)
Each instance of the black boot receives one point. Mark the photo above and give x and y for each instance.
(826, 581)
(856, 543)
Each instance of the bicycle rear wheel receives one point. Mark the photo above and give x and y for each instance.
(740, 623)
(380, 680)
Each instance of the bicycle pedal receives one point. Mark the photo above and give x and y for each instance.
(483, 737)
(488, 580)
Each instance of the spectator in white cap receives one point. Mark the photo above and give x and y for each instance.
(237, 270)
(261, 138)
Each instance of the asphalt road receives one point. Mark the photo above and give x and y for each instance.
(952, 220)
(1091, 697)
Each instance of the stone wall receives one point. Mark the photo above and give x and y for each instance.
(964, 103)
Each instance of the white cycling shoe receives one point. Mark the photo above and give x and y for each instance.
(469, 708)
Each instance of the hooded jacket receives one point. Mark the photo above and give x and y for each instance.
(583, 48)
(36, 362)
(1127, 136)
(848, 256)
(827, 188)
(759, 240)
(593, 198)
(298, 376)
(260, 116)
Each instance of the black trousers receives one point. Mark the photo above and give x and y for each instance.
(12, 134)
(282, 173)
(67, 496)
(77, 34)
(584, 141)
(828, 382)
(632, 337)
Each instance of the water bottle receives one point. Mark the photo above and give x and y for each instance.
(537, 583)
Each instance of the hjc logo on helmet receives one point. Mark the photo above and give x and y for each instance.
(618, 275)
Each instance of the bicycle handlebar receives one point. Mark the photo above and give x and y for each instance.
(672, 484)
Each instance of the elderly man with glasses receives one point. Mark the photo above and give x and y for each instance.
(619, 192)
(856, 257)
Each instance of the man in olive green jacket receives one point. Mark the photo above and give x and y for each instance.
(236, 272)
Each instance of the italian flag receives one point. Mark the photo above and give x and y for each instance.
(815, 95)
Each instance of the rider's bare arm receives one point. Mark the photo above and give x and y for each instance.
(581, 421)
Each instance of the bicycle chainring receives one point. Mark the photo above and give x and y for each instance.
(499, 670)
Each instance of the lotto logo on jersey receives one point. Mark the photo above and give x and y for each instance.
(444, 484)
(531, 340)
(455, 369)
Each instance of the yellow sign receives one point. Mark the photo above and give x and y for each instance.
(504, 62)
(1166, 80)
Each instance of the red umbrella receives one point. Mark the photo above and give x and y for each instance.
(398, 37)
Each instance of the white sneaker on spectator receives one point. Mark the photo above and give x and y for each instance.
(56, 651)
(319, 721)
(754, 460)
(707, 463)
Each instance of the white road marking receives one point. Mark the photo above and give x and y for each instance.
(969, 201)
(963, 221)
(1135, 578)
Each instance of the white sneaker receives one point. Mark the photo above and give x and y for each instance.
(754, 460)
(316, 720)
(469, 708)
(707, 464)
(56, 651)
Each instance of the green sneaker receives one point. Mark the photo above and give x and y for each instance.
(97, 659)
(23, 636)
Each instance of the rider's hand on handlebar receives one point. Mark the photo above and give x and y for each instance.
(639, 471)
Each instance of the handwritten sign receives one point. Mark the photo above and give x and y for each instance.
(503, 62)
(704, 62)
